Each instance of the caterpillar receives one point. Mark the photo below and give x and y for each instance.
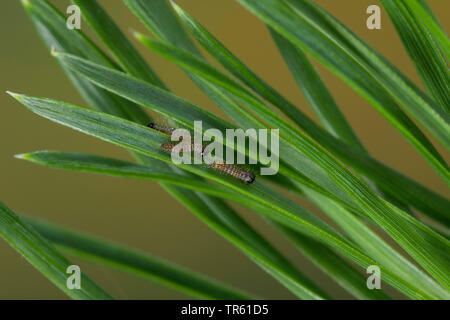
(163, 129)
(233, 171)
(228, 169)
(187, 147)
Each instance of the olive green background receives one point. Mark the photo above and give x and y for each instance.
(139, 213)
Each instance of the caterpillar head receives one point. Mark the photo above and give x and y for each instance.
(249, 178)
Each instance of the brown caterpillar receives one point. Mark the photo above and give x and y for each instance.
(163, 129)
(233, 171)
(187, 147)
(228, 169)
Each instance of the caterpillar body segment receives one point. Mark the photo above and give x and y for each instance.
(167, 147)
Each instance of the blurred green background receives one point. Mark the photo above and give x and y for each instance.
(138, 213)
